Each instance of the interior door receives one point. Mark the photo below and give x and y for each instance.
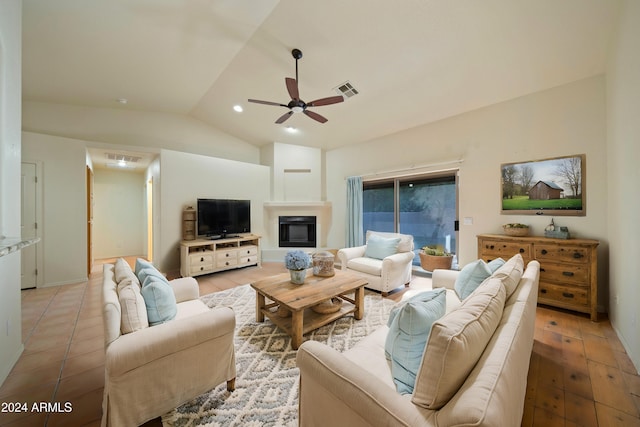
(29, 225)
(89, 220)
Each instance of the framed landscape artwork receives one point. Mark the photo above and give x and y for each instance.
(544, 187)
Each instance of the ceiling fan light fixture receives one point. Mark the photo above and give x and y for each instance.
(297, 109)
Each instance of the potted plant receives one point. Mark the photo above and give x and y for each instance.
(297, 263)
(516, 229)
(432, 257)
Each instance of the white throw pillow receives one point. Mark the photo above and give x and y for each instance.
(133, 309)
(510, 273)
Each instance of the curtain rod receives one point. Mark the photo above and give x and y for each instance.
(410, 170)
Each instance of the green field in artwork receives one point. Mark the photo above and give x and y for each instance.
(524, 203)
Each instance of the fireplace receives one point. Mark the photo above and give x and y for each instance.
(297, 231)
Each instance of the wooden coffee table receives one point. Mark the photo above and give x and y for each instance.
(300, 298)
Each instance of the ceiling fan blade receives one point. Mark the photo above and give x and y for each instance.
(315, 116)
(257, 101)
(284, 117)
(292, 88)
(325, 101)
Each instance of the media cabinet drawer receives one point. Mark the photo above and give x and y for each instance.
(201, 259)
(247, 259)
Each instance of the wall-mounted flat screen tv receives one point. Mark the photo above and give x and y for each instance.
(223, 218)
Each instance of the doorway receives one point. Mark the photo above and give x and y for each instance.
(31, 218)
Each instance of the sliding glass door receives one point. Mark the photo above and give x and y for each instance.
(423, 206)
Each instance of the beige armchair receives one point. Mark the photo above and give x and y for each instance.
(384, 273)
(154, 369)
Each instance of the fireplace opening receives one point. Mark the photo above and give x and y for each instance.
(297, 231)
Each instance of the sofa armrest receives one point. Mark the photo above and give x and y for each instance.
(345, 254)
(147, 345)
(185, 289)
(441, 278)
(336, 391)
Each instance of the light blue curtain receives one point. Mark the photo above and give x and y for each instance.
(354, 212)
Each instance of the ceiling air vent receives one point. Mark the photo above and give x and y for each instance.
(122, 158)
(346, 89)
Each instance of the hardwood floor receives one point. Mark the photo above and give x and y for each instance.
(579, 375)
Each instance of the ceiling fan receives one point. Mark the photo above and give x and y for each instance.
(297, 105)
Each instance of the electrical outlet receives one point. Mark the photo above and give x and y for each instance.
(617, 300)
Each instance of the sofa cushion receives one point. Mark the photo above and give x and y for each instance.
(133, 309)
(159, 300)
(409, 325)
(142, 263)
(455, 344)
(151, 271)
(510, 273)
(470, 278)
(123, 271)
(495, 264)
(381, 247)
(366, 265)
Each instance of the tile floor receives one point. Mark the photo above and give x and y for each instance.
(580, 374)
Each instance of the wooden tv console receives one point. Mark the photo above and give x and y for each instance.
(204, 256)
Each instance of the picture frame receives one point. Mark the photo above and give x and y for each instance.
(553, 186)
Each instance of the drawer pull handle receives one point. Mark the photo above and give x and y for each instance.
(226, 263)
(543, 291)
(491, 246)
(567, 295)
(201, 259)
(542, 270)
(201, 268)
(543, 252)
(227, 255)
(577, 255)
(567, 273)
(521, 250)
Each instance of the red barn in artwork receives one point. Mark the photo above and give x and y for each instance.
(545, 190)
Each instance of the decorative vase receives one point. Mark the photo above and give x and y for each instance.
(297, 276)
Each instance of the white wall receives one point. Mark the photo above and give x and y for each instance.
(122, 126)
(187, 177)
(562, 121)
(64, 228)
(296, 171)
(623, 143)
(119, 221)
(10, 165)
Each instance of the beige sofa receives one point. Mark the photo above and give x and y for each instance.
(154, 369)
(384, 274)
(356, 388)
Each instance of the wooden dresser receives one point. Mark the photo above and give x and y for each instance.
(568, 268)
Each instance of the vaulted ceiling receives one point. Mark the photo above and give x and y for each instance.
(412, 61)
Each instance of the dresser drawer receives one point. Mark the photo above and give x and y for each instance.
(573, 254)
(247, 259)
(575, 274)
(492, 249)
(569, 295)
(203, 258)
(247, 251)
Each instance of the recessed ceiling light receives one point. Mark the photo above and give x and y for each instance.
(122, 100)
(238, 108)
(291, 129)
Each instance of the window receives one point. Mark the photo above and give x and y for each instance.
(423, 206)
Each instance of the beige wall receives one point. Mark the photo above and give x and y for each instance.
(187, 177)
(562, 121)
(119, 222)
(64, 229)
(10, 147)
(623, 153)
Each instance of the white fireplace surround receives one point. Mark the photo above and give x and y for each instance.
(273, 210)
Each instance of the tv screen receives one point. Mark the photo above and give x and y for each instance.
(221, 217)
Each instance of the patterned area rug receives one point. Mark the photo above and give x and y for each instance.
(267, 377)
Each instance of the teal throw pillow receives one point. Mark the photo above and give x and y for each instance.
(142, 263)
(151, 271)
(470, 277)
(409, 328)
(159, 300)
(381, 247)
(495, 264)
